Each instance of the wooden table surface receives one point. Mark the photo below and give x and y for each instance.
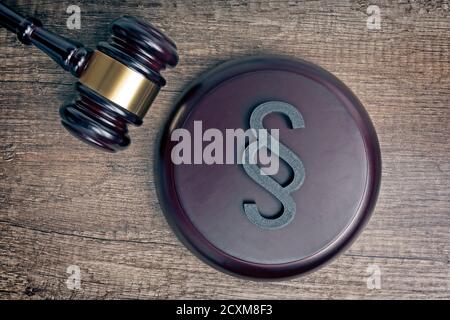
(64, 205)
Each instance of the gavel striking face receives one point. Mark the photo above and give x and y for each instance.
(117, 82)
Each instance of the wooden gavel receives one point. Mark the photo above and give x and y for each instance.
(117, 82)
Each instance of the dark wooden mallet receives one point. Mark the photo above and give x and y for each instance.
(117, 82)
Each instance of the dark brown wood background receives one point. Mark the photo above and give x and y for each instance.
(63, 203)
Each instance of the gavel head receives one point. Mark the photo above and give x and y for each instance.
(118, 84)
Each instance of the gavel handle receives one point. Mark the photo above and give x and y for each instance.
(69, 54)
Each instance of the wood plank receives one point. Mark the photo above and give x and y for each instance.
(63, 203)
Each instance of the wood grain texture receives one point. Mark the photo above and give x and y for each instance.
(63, 203)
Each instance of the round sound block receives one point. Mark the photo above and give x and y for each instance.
(317, 202)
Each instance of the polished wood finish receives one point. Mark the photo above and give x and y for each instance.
(133, 43)
(63, 203)
(70, 55)
(338, 148)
